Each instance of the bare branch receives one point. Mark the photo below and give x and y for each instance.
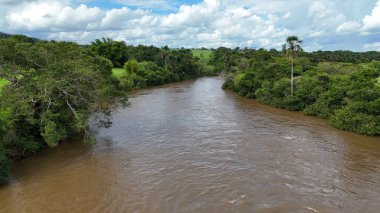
(72, 109)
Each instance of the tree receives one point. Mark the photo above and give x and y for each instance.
(291, 48)
(53, 89)
(116, 51)
(165, 53)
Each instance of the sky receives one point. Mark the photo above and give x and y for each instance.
(321, 24)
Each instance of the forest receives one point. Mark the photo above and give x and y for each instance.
(49, 89)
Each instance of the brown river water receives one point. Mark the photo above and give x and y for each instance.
(193, 147)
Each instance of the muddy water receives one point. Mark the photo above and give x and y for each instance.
(192, 147)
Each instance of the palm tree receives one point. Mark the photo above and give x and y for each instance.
(165, 54)
(291, 48)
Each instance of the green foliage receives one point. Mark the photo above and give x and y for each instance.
(55, 86)
(115, 51)
(231, 60)
(104, 65)
(53, 89)
(142, 53)
(3, 83)
(346, 94)
(132, 67)
(118, 72)
(52, 130)
(204, 55)
(342, 56)
(4, 160)
(354, 116)
(292, 46)
(183, 65)
(180, 66)
(4, 166)
(147, 65)
(335, 68)
(225, 59)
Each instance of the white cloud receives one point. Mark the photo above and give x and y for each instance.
(371, 22)
(210, 23)
(52, 16)
(372, 46)
(149, 4)
(120, 18)
(287, 15)
(195, 15)
(326, 14)
(350, 26)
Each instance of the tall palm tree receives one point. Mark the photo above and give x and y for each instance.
(291, 47)
(165, 53)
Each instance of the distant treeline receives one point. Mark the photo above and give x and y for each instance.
(148, 65)
(4, 35)
(342, 56)
(23, 37)
(232, 57)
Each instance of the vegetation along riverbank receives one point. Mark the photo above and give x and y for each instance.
(49, 89)
(341, 86)
(52, 88)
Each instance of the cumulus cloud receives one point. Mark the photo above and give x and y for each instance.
(372, 46)
(121, 18)
(14, 2)
(52, 16)
(348, 27)
(371, 23)
(209, 23)
(326, 15)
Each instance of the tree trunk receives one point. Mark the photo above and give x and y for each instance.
(291, 77)
(166, 62)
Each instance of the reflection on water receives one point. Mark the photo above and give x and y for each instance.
(192, 147)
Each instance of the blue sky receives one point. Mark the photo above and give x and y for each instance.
(107, 4)
(322, 24)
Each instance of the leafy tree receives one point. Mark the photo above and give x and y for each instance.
(342, 56)
(53, 89)
(291, 48)
(144, 53)
(115, 51)
(164, 55)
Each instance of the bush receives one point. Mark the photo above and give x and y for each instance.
(4, 166)
(346, 94)
(352, 118)
(55, 90)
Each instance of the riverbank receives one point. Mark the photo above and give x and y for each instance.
(349, 97)
(50, 102)
(194, 137)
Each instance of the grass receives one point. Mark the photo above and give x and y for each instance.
(3, 82)
(378, 81)
(3, 114)
(204, 55)
(118, 72)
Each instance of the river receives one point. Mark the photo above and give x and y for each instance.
(193, 147)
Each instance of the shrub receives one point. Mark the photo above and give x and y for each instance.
(352, 118)
(4, 166)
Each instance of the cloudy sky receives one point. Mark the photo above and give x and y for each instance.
(322, 24)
